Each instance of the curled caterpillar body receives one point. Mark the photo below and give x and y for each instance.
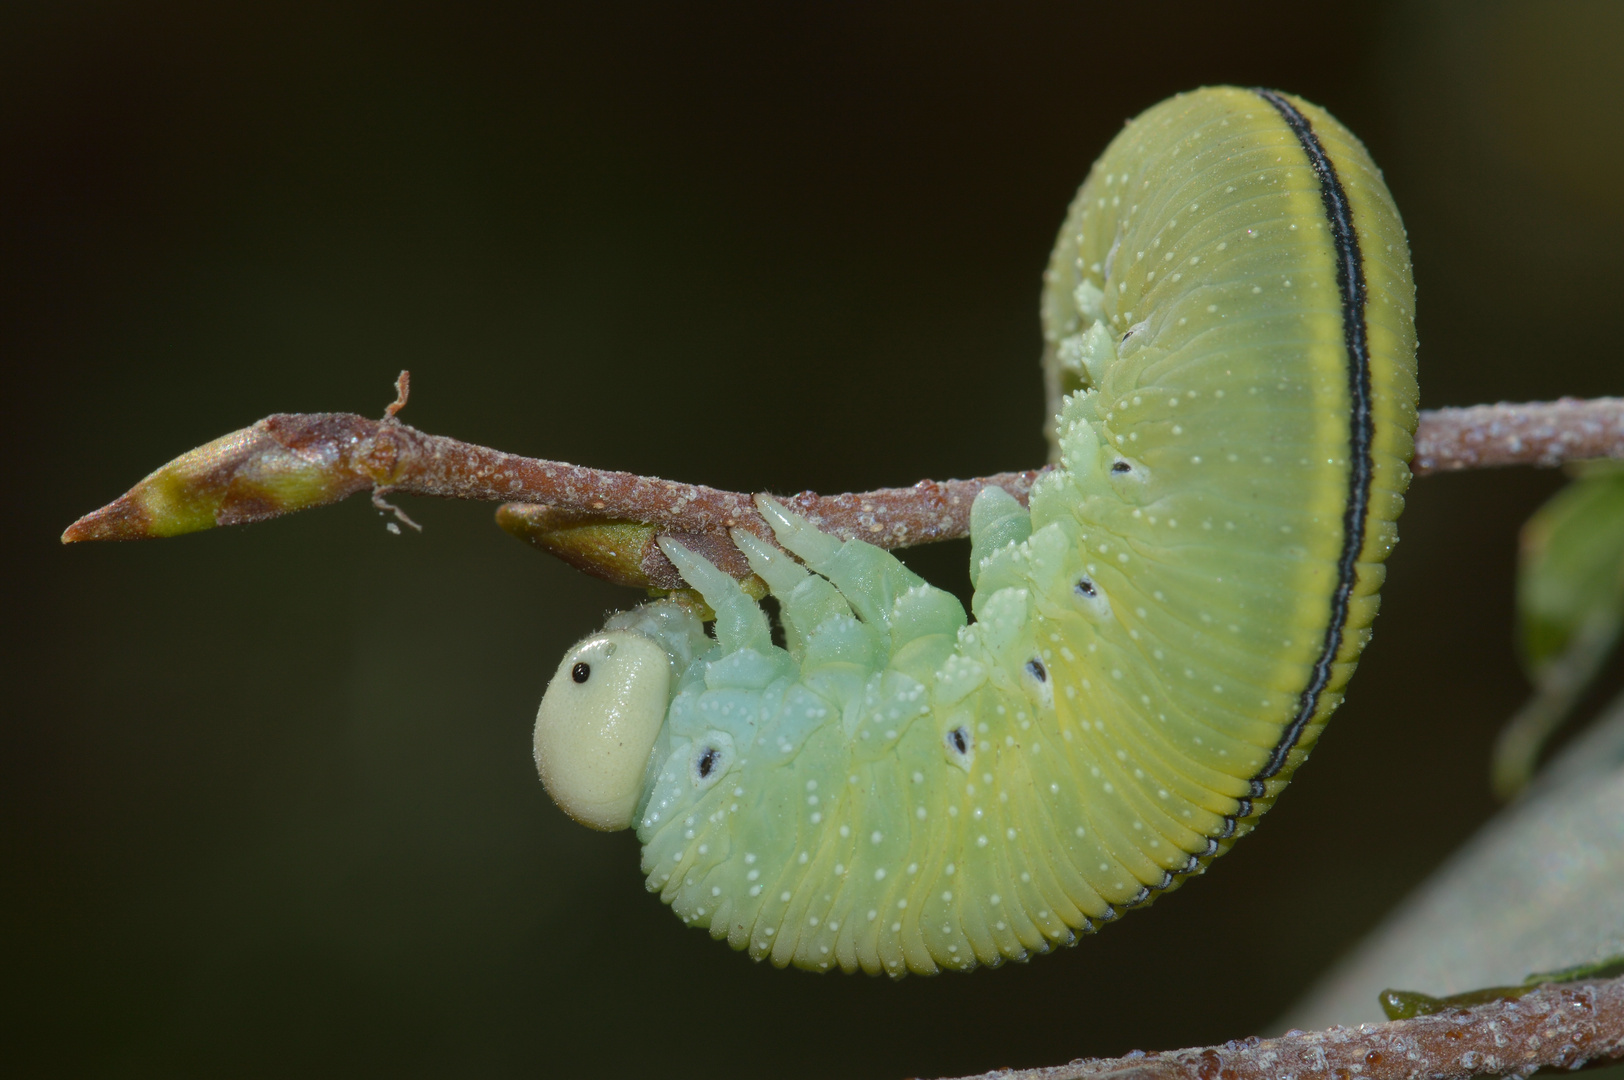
(1158, 639)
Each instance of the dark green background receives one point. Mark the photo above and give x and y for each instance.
(267, 803)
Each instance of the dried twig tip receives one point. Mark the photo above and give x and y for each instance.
(403, 390)
(386, 507)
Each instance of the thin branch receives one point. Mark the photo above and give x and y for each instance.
(295, 461)
(1563, 1025)
(1541, 433)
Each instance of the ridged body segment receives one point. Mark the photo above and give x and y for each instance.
(1157, 642)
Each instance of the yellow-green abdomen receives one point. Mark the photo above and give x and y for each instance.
(1242, 457)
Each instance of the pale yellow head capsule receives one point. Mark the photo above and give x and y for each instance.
(597, 724)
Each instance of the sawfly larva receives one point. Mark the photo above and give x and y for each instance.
(1158, 639)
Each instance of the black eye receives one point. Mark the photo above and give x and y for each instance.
(1034, 667)
(707, 761)
(1120, 467)
(581, 672)
(1085, 587)
(959, 739)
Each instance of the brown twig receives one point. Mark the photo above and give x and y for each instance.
(1562, 1025)
(297, 461)
(1542, 433)
(293, 462)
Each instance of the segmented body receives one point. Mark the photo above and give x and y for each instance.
(1157, 642)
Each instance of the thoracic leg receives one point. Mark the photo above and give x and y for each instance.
(806, 601)
(740, 622)
(869, 578)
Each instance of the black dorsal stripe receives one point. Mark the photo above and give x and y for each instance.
(1350, 283)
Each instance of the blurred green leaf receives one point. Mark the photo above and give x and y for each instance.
(1570, 608)
(1572, 564)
